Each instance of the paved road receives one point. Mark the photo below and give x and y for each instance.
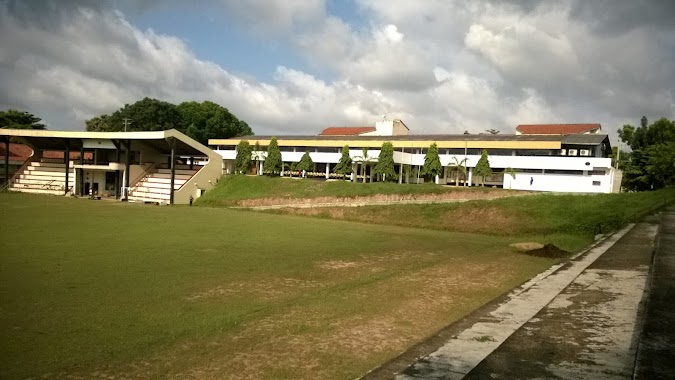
(582, 319)
(656, 351)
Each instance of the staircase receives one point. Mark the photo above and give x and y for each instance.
(155, 187)
(42, 178)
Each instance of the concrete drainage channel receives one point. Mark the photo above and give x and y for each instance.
(577, 319)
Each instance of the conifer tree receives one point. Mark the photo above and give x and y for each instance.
(482, 168)
(385, 162)
(242, 162)
(344, 166)
(272, 163)
(432, 163)
(305, 163)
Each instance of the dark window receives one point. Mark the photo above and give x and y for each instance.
(596, 172)
(596, 183)
(533, 171)
(566, 172)
(328, 150)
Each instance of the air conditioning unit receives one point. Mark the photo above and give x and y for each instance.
(572, 152)
(584, 152)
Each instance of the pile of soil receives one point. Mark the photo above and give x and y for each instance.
(549, 251)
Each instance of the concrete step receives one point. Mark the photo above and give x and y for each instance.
(37, 191)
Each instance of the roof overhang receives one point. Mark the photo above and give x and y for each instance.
(75, 140)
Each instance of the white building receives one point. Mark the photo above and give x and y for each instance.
(576, 162)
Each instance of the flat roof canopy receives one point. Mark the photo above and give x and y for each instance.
(62, 140)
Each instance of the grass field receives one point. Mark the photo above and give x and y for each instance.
(569, 221)
(95, 289)
(231, 189)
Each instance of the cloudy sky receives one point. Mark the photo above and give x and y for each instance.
(297, 66)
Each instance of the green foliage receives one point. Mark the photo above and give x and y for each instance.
(14, 119)
(208, 120)
(482, 168)
(432, 163)
(650, 165)
(344, 166)
(273, 162)
(305, 163)
(385, 162)
(459, 166)
(242, 162)
(200, 121)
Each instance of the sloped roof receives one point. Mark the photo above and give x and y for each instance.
(555, 129)
(17, 152)
(346, 131)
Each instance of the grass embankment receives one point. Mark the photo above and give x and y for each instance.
(94, 289)
(569, 221)
(231, 189)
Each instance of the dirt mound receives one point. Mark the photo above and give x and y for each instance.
(527, 246)
(550, 251)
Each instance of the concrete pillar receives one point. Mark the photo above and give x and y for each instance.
(470, 180)
(260, 168)
(400, 174)
(436, 180)
(282, 169)
(327, 170)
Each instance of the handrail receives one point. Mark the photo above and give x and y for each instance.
(48, 184)
(18, 172)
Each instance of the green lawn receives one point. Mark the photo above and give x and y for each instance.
(96, 289)
(233, 188)
(568, 221)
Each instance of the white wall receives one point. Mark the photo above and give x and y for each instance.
(558, 183)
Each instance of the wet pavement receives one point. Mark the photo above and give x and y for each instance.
(582, 319)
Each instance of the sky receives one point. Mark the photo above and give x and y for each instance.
(299, 66)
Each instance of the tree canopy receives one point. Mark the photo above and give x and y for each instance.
(344, 166)
(385, 162)
(305, 163)
(242, 162)
(652, 161)
(483, 168)
(272, 163)
(201, 121)
(432, 163)
(15, 119)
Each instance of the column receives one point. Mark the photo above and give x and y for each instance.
(127, 167)
(260, 167)
(282, 169)
(173, 169)
(6, 162)
(327, 170)
(470, 180)
(117, 172)
(66, 160)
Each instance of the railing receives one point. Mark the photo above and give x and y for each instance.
(16, 174)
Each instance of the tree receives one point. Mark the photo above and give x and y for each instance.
(257, 155)
(305, 163)
(208, 120)
(200, 121)
(273, 162)
(242, 162)
(432, 163)
(512, 172)
(650, 163)
(364, 159)
(492, 131)
(482, 168)
(344, 166)
(385, 162)
(459, 166)
(14, 119)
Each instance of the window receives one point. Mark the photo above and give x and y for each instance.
(328, 150)
(566, 172)
(596, 183)
(596, 172)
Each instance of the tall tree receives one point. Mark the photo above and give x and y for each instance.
(344, 166)
(305, 163)
(208, 120)
(652, 152)
(258, 154)
(242, 162)
(385, 162)
(482, 168)
(459, 166)
(365, 160)
(432, 163)
(14, 119)
(273, 162)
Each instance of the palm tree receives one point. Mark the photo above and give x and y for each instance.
(512, 173)
(459, 166)
(364, 159)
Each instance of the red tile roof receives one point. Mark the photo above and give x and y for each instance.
(555, 129)
(17, 152)
(346, 131)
